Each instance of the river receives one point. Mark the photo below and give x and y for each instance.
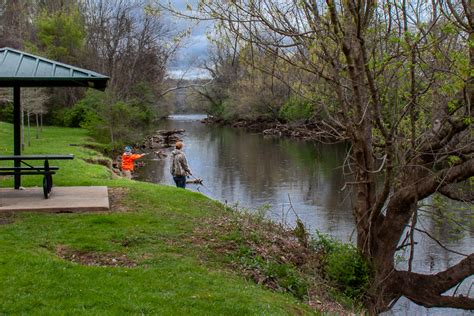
(289, 179)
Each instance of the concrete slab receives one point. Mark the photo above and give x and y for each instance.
(62, 199)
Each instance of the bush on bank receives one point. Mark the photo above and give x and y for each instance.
(110, 121)
(296, 110)
(343, 266)
(312, 268)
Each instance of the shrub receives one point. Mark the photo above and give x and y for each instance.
(111, 122)
(223, 110)
(344, 266)
(296, 109)
(6, 112)
(276, 275)
(81, 113)
(76, 116)
(287, 278)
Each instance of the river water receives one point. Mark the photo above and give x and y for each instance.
(288, 179)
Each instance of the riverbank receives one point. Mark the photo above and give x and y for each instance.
(302, 131)
(158, 251)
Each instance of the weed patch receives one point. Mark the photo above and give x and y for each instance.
(89, 258)
(268, 254)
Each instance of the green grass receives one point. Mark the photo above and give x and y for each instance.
(171, 278)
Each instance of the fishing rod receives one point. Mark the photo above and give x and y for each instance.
(199, 181)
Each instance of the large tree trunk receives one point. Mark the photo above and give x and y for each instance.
(379, 234)
(389, 284)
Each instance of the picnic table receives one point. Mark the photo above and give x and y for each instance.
(24, 168)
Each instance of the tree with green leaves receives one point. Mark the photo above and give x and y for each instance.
(60, 35)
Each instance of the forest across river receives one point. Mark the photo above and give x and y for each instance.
(288, 179)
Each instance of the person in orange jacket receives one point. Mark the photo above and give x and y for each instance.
(128, 160)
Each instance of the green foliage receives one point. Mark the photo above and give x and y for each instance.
(249, 233)
(85, 111)
(109, 122)
(77, 115)
(296, 109)
(60, 35)
(301, 233)
(344, 266)
(347, 268)
(223, 109)
(453, 160)
(453, 105)
(216, 109)
(6, 112)
(285, 275)
(467, 120)
(288, 278)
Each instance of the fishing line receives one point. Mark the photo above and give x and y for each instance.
(200, 182)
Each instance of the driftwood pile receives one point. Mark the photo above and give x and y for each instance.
(302, 132)
(163, 138)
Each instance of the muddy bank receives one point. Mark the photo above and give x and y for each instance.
(303, 131)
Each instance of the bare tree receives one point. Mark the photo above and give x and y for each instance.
(15, 22)
(34, 103)
(128, 42)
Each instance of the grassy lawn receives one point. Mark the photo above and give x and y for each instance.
(152, 230)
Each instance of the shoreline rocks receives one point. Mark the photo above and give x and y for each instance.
(163, 139)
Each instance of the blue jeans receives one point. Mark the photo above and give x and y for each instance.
(180, 181)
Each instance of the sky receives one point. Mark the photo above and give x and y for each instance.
(194, 50)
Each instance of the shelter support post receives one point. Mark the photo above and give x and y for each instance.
(20, 69)
(17, 132)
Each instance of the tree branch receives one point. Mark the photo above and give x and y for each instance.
(461, 301)
(431, 184)
(178, 87)
(457, 194)
(438, 242)
(427, 290)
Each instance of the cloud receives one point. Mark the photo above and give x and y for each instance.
(189, 74)
(195, 49)
(194, 53)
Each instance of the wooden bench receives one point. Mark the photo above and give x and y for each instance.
(46, 170)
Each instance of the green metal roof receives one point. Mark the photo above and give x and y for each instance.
(26, 70)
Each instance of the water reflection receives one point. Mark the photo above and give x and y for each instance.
(249, 170)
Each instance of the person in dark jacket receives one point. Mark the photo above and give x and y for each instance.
(179, 166)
